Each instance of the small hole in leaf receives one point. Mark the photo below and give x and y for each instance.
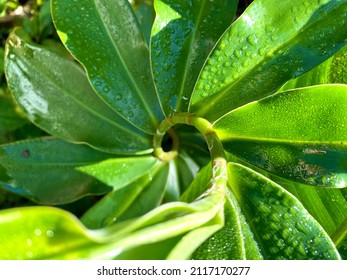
(26, 154)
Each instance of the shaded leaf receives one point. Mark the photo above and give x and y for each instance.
(44, 170)
(70, 110)
(183, 34)
(256, 55)
(106, 38)
(330, 71)
(10, 119)
(311, 164)
(145, 14)
(134, 199)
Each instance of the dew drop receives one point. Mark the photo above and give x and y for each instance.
(301, 227)
(50, 233)
(238, 53)
(252, 40)
(106, 89)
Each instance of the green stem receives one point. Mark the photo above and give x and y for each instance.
(219, 169)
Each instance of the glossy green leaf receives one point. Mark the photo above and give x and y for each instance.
(311, 164)
(282, 227)
(105, 37)
(44, 170)
(234, 240)
(298, 115)
(49, 233)
(70, 110)
(187, 169)
(257, 55)
(10, 119)
(330, 71)
(328, 207)
(43, 233)
(136, 198)
(309, 150)
(183, 34)
(118, 172)
(154, 251)
(190, 242)
(226, 243)
(145, 14)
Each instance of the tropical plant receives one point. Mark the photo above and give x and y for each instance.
(189, 129)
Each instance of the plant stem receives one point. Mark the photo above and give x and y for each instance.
(219, 169)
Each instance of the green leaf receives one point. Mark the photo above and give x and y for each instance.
(145, 14)
(118, 172)
(257, 55)
(44, 170)
(183, 35)
(105, 37)
(10, 119)
(43, 233)
(308, 150)
(55, 94)
(46, 233)
(187, 169)
(307, 163)
(330, 71)
(138, 197)
(282, 227)
(234, 240)
(298, 115)
(328, 207)
(226, 243)
(190, 242)
(2, 53)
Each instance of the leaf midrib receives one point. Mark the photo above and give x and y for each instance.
(223, 92)
(126, 68)
(191, 43)
(84, 106)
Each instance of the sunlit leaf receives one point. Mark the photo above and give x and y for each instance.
(183, 35)
(69, 110)
(105, 37)
(310, 150)
(257, 55)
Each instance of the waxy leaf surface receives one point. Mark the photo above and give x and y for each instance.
(69, 110)
(104, 35)
(282, 227)
(44, 170)
(288, 134)
(330, 71)
(183, 34)
(118, 172)
(137, 197)
(257, 55)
